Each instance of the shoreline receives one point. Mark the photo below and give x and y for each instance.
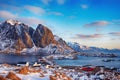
(47, 72)
(47, 69)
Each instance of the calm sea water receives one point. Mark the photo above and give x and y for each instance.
(96, 61)
(13, 59)
(82, 60)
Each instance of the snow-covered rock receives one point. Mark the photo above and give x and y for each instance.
(17, 37)
(95, 51)
(13, 22)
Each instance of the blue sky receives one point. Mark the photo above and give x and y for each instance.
(88, 22)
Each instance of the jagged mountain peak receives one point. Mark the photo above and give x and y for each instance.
(18, 37)
(40, 26)
(12, 22)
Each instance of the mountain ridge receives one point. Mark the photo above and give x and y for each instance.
(92, 50)
(17, 37)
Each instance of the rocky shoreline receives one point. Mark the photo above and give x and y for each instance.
(45, 71)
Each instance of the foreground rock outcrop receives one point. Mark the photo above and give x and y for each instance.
(2, 78)
(12, 76)
(55, 72)
(24, 70)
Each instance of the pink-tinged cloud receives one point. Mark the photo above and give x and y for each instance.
(115, 33)
(7, 15)
(35, 9)
(82, 36)
(97, 24)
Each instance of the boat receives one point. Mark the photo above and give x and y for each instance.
(36, 64)
(21, 63)
(108, 60)
(88, 68)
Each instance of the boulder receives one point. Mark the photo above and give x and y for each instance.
(2, 78)
(52, 77)
(12, 76)
(24, 70)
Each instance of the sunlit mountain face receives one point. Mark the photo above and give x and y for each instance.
(19, 38)
(87, 22)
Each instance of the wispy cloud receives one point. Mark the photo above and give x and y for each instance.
(32, 21)
(7, 15)
(60, 2)
(115, 33)
(35, 9)
(97, 24)
(11, 7)
(56, 13)
(84, 6)
(72, 17)
(93, 36)
(46, 2)
(117, 22)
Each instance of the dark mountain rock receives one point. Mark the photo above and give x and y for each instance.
(16, 37)
(31, 31)
(43, 36)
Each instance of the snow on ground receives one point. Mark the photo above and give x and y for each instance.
(4, 70)
(47, 72)
(33, 76)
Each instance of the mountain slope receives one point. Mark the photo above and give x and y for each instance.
(92, 50)
(14, 35)
(17, 37)
(43, 36)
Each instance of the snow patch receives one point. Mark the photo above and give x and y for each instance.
(13, 22)
(56, 38)
(30, 50)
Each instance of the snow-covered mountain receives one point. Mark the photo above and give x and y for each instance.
(17, 37)
(92, 50)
